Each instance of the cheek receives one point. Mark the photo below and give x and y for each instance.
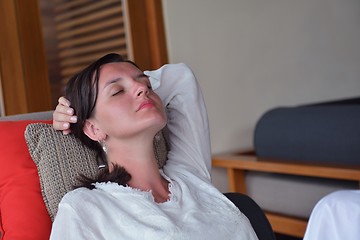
(158, 101)
(163, 111)
(161, 107)
(163, 116)
(112, 114)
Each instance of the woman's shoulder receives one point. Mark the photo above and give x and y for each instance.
(78, 193)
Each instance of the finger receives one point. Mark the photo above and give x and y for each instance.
(64, 101)
(62, 109)
(66, 132)
(62, 126)
(64, 118)
(62, 115)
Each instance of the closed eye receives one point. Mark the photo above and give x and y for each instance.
(117, 92)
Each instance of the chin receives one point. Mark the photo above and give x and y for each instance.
(160, 120)
(162, 125)
(156, 124)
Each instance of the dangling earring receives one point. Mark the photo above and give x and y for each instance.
(103, 145)
(157, 136)
(101, 166)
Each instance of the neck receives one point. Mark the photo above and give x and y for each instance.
(140, 162)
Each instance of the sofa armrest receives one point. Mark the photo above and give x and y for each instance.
(45, 115)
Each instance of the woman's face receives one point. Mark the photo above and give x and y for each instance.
(126, 106)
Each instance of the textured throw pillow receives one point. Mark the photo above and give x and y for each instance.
(61, 158)
(22, 209)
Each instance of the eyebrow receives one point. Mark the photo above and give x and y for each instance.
(140, 75)
(112, 82)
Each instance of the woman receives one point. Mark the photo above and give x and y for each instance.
(118, 110)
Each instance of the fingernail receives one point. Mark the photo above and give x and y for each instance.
(66, 125)
(70, 111)
(73, 119)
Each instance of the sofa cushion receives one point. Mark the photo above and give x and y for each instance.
(28, 116)
(23, 212)
(61, 158)
(323, 133)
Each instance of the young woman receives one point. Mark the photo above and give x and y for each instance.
(119, 109)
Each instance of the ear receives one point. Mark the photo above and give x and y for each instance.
(92, 131)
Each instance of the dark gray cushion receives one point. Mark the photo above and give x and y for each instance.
(327, 133)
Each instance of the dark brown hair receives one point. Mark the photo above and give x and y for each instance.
(82, 91)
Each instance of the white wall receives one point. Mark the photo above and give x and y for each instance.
(252, 55)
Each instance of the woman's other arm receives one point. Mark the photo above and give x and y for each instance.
(187, 117)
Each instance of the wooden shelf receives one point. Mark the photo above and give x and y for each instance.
(237, 164)
(249, 162)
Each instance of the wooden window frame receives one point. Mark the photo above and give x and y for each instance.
(147, 33)
(23, 67)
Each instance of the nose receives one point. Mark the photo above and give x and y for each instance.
(142, 89)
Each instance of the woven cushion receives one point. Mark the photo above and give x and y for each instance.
(61, 158)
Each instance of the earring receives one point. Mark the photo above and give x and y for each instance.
(157, 136)
(101, 166)
(103, 145)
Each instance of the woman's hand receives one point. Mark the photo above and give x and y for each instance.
(63, 116)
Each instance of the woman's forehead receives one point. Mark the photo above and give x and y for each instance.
(119, 68)
(111, 72)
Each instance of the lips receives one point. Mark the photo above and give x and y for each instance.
(146, 104)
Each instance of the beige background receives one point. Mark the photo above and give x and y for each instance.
(253, 55)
